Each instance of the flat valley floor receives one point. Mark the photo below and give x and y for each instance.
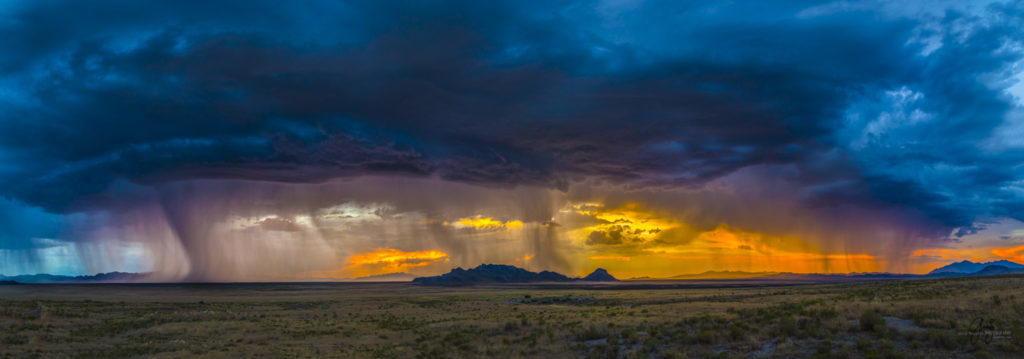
(975, 317)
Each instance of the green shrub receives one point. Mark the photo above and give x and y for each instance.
(887, 345)
(511, 327)
(593, 332)
(672, 354)
(788, 326)
(652, 344)
(604, 351)
(871, 353)
(707, 337)
(862, 344)
(1017, 336)
(825, 347)
(736, 332)
(942, 339)
(872, 320)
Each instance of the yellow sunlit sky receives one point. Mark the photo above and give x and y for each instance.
(633, 241)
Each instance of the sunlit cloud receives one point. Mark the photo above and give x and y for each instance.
(279, 224)
(627, 225)
(940, 254)
(480, 222)
(523, 260)
(1015, 254)
(390, 260)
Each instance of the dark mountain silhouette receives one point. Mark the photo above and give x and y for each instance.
(998, 269)
(497, 273)
(492, 273)
(822, 277)
(600, 275)
(973, 267)
(52, 278)
(8, 282)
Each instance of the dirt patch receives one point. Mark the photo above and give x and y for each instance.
(903, 325)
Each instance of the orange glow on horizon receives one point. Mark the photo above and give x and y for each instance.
(932, 258)
(940, 253)
(1013, 254)
(385, 261)
(637, 242)
(610, 258)
(634, 241)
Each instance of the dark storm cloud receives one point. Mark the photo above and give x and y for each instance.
(855, 107)
(619, 234)
(611, 237)
(22, 224)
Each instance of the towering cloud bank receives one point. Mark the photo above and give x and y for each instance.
(260, 139)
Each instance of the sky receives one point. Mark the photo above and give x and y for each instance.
(268, 140)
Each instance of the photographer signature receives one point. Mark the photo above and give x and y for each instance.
(984, 331)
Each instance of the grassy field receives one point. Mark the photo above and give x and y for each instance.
(965, 317)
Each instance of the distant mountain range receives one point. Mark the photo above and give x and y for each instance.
(52, 278)
(500, 273)
(968, 267)
(958, 269)
(997, 269)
